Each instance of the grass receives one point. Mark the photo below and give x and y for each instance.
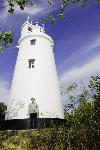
(36, 139)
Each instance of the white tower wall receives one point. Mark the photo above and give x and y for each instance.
(40, 82)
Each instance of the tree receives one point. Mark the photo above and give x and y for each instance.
(6, 38)
(84, 119)
(3, 108)
(77, 94)
(94, 85)
(74, 94)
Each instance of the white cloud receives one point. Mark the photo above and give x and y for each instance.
(95, 42)
(4, 90)
(81, 73)
(31, 10)
(81, 53)
(41, 8)
(4, 13)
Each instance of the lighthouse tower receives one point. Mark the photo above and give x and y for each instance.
(34, 76)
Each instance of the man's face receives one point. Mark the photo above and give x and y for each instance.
(33, 100)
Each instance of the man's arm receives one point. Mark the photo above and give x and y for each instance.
(37, 107)
(28, 110)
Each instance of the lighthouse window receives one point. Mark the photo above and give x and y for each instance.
(31, 63)
(30, 29)
(33, 42)
(40, 29)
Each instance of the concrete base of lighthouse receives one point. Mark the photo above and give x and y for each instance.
(24, 124)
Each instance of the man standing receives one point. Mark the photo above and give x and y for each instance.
(33, 111)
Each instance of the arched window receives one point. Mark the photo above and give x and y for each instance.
(32, 42)
(31, 63)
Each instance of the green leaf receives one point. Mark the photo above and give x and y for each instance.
(62, 7)
(60, 16)
(22, 6)
(46, 19)
(51, 18)
(75, 1)
(6, 39)
(49, 2)
(65, 1)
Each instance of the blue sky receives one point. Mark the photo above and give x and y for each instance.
(76, 37)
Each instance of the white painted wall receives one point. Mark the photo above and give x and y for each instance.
(40, 82)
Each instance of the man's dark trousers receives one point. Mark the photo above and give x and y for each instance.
(33, 120)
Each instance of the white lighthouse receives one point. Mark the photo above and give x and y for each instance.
(34, 76)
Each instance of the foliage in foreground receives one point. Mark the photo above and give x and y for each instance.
(85, 126)
(84, 120)
(82, 131)
(3, 108)
(41, 139)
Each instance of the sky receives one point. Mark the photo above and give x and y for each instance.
(76, 38)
